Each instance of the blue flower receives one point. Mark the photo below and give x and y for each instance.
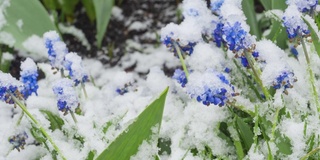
(19, 141)
(185, 49)
(56, 49)
(293, 23)
(210, 88)
(244, 61)
(73, 63)
(180, 76)
(8, 86)
(285, 80)
(66, 95)
(215, 5)
(294, 51)
(304, 6)
(29, 75)
(235, 36)
(217, 34)
(193, 12)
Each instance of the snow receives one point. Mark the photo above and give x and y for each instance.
(19, 23)
(76, 33)
(35, 48)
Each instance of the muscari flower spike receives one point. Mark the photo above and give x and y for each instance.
(66, 95)
(180, 76)
(8, 86)
(19, 140)
(73, 63)
(56, 49)
(235, 36)
(212, 89)
(187, 49)
(293, 23)
(285, 80)
(217, 34)
(215, 5)
(304, 6)
(29, 75)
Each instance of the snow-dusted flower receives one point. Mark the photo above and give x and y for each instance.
(210, 88)
(73, 63)
(18, 141)
(187, 48)
(180, 76)
(215, 5)
(8, 85)
(66, 95)
(56, 49)
(304, 5)
(293, 23)
(217, 34)
(285, 80)
(29, 75)
(236, 37)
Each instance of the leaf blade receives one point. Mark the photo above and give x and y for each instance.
(128, 142)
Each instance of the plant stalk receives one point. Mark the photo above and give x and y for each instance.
(181, 60)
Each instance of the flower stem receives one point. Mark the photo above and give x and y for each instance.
(84, 90)
(42, 130)
(181, 60)
(310, 153)
(311, 78)
(256, 128)
(73, 117)
(257, 73)
(274, 124)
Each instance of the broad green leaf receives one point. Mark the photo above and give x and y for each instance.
(68, 6)
(314, 36)
(51, 4)
(90, 155)
(245, 133)
(55, 121)
(88, 5)
(103, 13)
(128, 142)
(283, 143)
(266, 4)
(278, 33)
(250, 13)
(35, 20)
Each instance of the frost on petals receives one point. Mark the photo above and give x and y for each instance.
(66, 95)
(73, 63)
(8, 85)
(29, 75)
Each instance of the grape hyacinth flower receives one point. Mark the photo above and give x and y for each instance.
(56, 49)
(285, 80)
(304, 6)
(29, 75)
(67, 96)
(210, 88)
(236, 37)
(8, 86)
(217, 34)
(170, 43)
(73, 63)
(19, 141)
(293, 23)
(180, 76)
(215, 5)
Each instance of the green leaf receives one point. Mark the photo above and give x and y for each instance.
(34, 17)
(283, 143)
(37, 135)
(314, 36)
(245, 133)
(55, 121)
(128, 142)
(164, 146)
(90, 155)
(250, 13)
(266, 4)
(68, 6)
(278, 33)
(51, 4)
(103, 13)
(88, 5)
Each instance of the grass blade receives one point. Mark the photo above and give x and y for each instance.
(128, 142)
(248, 9)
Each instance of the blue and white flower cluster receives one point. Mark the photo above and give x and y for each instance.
(18, 141)
(28, 76)
(60, 58)
(9, 86)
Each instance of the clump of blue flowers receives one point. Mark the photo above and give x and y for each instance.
(66, 95)
(18, 141)
(9, 86)
(304, 6)
(285, 80)
(28, 76)
(73, 63)
(180, 76)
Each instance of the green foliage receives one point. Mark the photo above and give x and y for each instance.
(248, 9)
(103, 14)
(91, 155)
(245, 133)
(88, 5)
(128, 142)
(35, 19)
(314, 36)
(55, 121)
